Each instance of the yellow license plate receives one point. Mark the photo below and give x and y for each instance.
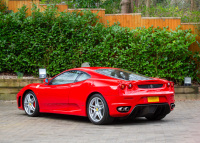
(153, 99)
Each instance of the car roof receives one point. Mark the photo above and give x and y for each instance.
(94, 74)
(92, 68)
(91, 71)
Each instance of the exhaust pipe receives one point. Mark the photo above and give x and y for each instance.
(126, 109)
(123, 108)
(172, 105)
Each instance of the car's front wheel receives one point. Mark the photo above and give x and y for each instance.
(97, 110)
(31, 106)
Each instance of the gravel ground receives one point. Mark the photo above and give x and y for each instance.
(181, 126)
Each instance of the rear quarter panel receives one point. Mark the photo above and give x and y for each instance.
(106, 87)
(80, 92)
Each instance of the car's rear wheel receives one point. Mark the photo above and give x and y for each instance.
(97, 110)
(31, 106)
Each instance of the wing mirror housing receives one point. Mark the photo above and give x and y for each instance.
(46, 80)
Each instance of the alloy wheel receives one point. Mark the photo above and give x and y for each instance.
(96, 109)
(29, 104)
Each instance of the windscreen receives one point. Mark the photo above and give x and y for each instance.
(122, 74)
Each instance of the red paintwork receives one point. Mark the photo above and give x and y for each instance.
(72, 98)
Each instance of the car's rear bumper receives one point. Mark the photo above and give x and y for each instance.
(136, 102)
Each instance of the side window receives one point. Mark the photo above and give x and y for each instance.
(67, 77)
(82, 77)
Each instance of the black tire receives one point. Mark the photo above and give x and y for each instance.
(34, 104)
(155, 117)
(106, 118)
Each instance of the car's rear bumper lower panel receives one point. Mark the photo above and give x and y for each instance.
(145, 110)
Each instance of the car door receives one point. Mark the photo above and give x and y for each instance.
(79, 91)
(55, 95)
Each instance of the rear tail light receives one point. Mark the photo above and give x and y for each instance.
(130, 86)
(123, 86)
(170, 84)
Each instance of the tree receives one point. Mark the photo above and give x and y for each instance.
(136, 3)
(147, 7)
(127, 6)
(194, 5)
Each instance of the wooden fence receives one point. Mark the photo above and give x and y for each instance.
(195, 27)
(131, 20)
(14, 5)
(5, 2)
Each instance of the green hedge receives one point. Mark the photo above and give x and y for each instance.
(60, 41)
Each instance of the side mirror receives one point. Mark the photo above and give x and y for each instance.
(46, 80)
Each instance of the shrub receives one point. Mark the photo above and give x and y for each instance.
(60, 41)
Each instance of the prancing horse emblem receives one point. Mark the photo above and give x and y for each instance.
(151, 86)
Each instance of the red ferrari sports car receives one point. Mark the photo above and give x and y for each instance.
(100, 93)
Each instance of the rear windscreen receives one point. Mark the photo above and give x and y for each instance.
(122, 74)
